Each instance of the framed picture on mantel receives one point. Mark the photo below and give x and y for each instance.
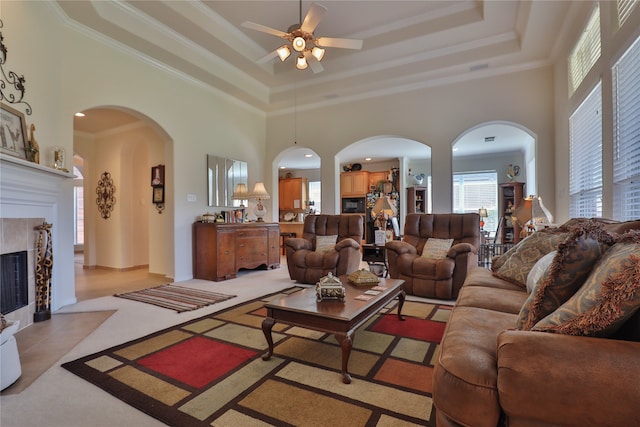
(13, 132)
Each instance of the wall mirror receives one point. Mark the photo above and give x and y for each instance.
(222, 177)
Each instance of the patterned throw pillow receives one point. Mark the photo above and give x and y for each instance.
(436, 248)
(326, 243)
(526, 253)
(608, 298)
(571, 265)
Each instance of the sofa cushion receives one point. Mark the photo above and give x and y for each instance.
(570, 267)
(436, 248)
(326, 243)
(466, 374)
(607, 299)
(521, 258)
(491, 298)
(479, 276)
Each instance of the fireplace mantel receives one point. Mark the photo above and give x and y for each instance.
(10, 160)
(27, 191)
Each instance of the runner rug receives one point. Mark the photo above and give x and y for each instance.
(178, 298)
(209, 371)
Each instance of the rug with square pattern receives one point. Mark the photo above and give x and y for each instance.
(209, 371)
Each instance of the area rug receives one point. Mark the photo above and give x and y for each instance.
(178, 298)
(209, 371)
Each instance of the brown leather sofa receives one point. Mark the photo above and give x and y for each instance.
(306, 265)
(488, 373)
(428, 277)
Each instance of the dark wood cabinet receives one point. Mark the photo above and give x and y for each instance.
(416, 199)
(511, 196)
(220, 250)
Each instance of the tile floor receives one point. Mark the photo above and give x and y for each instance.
(44, 343)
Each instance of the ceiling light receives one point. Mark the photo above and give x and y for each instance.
(368, 159)
(301, 63)
(308, 155)
(299, 44)
(282, 167)
(283, 52)
(79, 114)
(317, 53)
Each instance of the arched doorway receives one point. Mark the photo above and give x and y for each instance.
(123, 145)
(481, 157)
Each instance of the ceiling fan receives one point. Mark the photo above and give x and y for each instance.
(302, 40)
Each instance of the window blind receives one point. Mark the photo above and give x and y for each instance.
(586, 52)
(472, 191)
(585, 157)
(624, 10)
(626, 136)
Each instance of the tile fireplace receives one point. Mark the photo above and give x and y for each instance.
(31, 194)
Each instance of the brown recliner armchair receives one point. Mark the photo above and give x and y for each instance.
(306, 265)
(428, 277)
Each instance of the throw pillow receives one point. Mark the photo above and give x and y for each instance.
(436, 248)
(498, 261)
(538, 270)
(569, 268)
(526, 253)
(326, 243)
(608, 298)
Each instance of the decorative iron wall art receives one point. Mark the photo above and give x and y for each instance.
(12, 85)
(106, 195)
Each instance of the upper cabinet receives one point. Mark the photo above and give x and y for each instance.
(354, 184)
(292, 193)
(376, 177)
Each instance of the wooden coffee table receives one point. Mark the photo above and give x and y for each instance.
(331, 316)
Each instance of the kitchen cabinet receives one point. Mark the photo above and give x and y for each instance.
(354, 184)
(292, 194)
(416, 199)
(376, 177)
(221, 249)
(510, 198)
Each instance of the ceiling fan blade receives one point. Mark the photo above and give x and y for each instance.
(314, 15)
(315, 65)
(268, 57)
(341, 43)
(264, 29)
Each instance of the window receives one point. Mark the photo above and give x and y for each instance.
(624, 10)
(585, 157)
(626, 135)
(78, 208)
(314, 196)
(586, 52)
(472, 191)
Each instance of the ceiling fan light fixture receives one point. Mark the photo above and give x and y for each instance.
(299, 44)
(317, 53)
(301, 63)
(283, 52)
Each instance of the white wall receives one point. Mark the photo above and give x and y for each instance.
(434, 116)
(67, 71)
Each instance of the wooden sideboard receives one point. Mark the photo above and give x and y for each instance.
(220, 250)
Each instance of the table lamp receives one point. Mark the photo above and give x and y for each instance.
(483, 214)
(260, 193)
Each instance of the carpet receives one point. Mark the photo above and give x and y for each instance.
(209, 371)
(178, 298)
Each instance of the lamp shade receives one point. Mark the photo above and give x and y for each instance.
(259, 192)
(240, 192)
(383, 206)
(483, 213)
(522, 214)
